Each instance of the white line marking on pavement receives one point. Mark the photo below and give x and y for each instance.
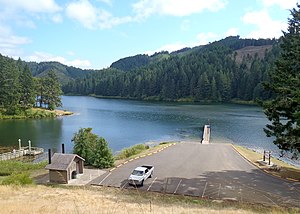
(219, 191)
(270, 200)
(105, 178)
(177, 186)
(204, 190)
(122, 187)
(151, 184)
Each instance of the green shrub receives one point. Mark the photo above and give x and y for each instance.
(131, 151)
(92, 148)
(39, 113)
(17, 179)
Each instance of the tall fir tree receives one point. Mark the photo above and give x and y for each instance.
(52, 91)
(284, 110)
(9, 85)
(27, 88)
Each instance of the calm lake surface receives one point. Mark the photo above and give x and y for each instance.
(124, 123)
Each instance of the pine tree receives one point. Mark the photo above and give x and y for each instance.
(52, 91)
(27, 88)
(214, 92)
(9, 85)
(284, 110)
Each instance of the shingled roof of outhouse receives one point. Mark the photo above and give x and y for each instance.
(61, 161)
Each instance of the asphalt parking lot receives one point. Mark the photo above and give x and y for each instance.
(214, 171)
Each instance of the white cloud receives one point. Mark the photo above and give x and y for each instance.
(10, 43)
(83, 12)
(145, 8)
(266, 26)
(185, 25)
(23, 13)
(109, 2)
(284, 4)
(71, 53)
(57, 18)
(34, 6)
(205, 38)
(44, 57)
(92, 17)
(232, 32)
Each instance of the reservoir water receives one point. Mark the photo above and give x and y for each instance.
(125, 122)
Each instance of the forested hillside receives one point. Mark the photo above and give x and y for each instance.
(64, 73)
(218, 72)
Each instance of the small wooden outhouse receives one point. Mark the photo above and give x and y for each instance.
(64, 167)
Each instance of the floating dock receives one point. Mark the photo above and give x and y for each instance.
(22, 151)
(206, 135)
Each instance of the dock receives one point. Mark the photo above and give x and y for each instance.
(22, 151)
(206, 135)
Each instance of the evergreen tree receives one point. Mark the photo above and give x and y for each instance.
(40, 85)
(205, 88)
(27, 88)
(214, 92)
(52, 91)
(284, 110)
(9, 85)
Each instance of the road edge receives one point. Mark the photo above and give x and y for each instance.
(261, 169)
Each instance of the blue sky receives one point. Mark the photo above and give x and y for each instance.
(95, 33)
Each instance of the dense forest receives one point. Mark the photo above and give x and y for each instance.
(232, 68)
(19, 90)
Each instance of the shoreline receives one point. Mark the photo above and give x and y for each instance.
(280, 168)
(37, 113)
(181, 100)
(60, 113)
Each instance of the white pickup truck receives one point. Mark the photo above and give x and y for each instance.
(140, 174)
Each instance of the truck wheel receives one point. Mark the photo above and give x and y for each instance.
(150, 176)
(142, 183)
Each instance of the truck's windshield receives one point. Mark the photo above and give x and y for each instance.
(137, 172)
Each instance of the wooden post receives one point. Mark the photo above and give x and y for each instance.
(264, 156)
(29, 147)
(20, 146)
(49, 156)
(269, 157)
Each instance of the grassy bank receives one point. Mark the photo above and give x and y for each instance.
(285, 171)
(131, 151)
(36, 113)
(16, 172)
(138, 150)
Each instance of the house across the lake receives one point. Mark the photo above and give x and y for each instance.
(64, 167)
